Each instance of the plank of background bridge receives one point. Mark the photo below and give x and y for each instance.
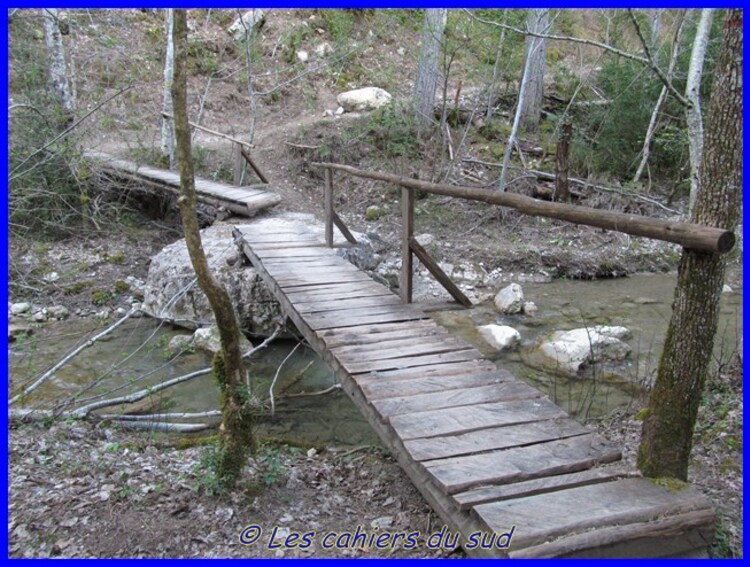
(259, 197)
(354, 366)
(546, 517)
(492, 439)
(322, 321)
(338, 304)
(260, 201)
(376, 389)
(505, 391)
(484, 494)
(412, 346)
(226, 192)
(570, 454)
(453, 421)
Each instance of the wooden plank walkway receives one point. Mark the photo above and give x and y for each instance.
(245, 200)
(487, 451)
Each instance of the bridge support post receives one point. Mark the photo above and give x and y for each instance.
(407, 233)
(239, 165)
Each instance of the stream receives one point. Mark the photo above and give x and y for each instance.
(133, 357)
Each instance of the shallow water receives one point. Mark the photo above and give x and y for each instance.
(133, 358)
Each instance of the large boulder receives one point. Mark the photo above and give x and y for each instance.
(368, 98)
(568, 352)
(247, 21)
(171, 293)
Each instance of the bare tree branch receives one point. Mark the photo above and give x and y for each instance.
(651, 63)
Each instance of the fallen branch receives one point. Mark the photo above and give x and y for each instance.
(312, 394)
(582, 182)
(42, 379)
(154, 416)
(276, 377)
(163, 426)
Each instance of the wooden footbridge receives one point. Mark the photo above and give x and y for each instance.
(490, 453)
(243, 200)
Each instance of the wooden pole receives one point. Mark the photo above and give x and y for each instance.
(239, 164)
(439, 274)
(689, 235)
(407, 232)
(329, 206)
(255, 167)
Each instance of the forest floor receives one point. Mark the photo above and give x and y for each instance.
(81, 490)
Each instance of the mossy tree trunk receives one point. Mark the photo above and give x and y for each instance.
(673, 405)
(236, 436)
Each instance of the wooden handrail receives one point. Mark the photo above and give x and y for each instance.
(212, 132)
(690, 235)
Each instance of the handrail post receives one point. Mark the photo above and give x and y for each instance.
(329, 206)
(239, 164)
(407, 232)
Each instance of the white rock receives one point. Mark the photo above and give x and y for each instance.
(207, 338)
(401, 51)
(529, 307)
(103, 314)
(19, 308)
(40, 316)
(248, 20)
(303, 56)
(500, 337)
(51, 277)
(510, 299)
(323, 49)
(339, 111)
(58, 312)
(179, 343)
(328, 113)
(311, 452)
(726, 289)
(368, 98)
(568, 351)
(121, 311)
(425, 239)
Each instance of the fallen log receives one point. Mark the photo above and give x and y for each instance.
(689, 235)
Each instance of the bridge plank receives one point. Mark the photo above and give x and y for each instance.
(409, 361)
(464, 396)
(440, 369)
(407, 346)
(337, 305)
(571, 454)
(605, 473)
(493, 438)
(381, 389)
(322, 321)
(549, 516)
(434, 423)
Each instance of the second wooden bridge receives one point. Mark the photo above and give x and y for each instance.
(489, 453)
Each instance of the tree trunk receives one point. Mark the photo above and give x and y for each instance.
(428, 68)
(236, 436)
(673, 404)
(167, 124)
(536, 54)
(692, 94)
(58, 74)
(646, 151)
